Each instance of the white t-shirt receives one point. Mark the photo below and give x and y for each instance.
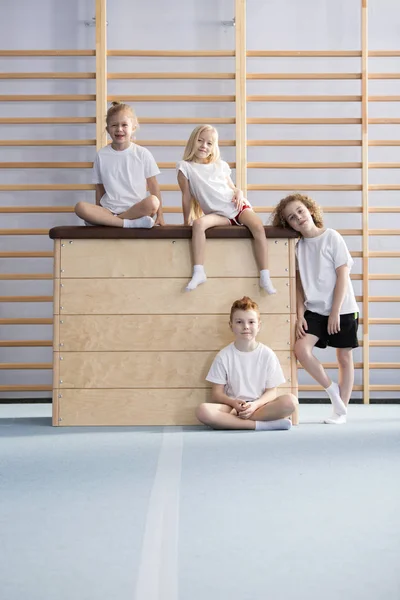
(246, 375)
(208, 184)
(123, 174)
(318, 258)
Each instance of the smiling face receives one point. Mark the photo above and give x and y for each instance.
(298, 217)
(120, 127)
(204, 146)
(245, 325)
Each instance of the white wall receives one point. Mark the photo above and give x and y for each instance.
(272, 25)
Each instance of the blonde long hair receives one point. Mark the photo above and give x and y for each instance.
(188, 155)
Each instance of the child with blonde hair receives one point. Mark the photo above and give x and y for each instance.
(209, 198)
(327, 311)
(244, 378)
(127, 191)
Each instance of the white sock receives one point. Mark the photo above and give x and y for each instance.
(280, 424)
(336, 419)
(339, 407)
(265, 282)
(199, 276)
(142, 222)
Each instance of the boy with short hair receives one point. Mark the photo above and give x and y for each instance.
(244, 377)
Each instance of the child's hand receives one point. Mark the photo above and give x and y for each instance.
(333, 323)
(301, 328)
(249, 409)
(239, 406)
(238, 199)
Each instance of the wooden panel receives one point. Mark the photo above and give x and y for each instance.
(141, 369)
(167, 296)
(166, 258)
(132, 407)
(162, 332)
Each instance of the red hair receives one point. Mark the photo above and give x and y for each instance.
(244, 303)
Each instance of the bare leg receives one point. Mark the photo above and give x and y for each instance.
(280, 408)
(199, 228)
(346, 373)
(97, 215)
(146, 208)
(253, 222)
(303, 350)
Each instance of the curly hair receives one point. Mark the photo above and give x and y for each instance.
(244, 303)
(278, 219)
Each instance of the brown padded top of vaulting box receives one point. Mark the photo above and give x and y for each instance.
(166, 232)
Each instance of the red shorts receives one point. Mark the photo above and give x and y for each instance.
(235, 220)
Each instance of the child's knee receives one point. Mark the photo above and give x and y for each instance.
(345, 357)
(203, 413)
(291, 403)
(198, 225)
(154, 204)
(300, 350)
(81, 209)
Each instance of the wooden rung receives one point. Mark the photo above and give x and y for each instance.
(289, 76)
(289, 187)
(48, 98)
(384, 98)
(9, 276)
(26, 321)
(384, 276)
(188, 120)
(305, 165)
(384, 165)
(318, 388)
(47, 53)
(46, 120)
(47, 142)
(24, 232)
(182, 75)
(384, 299)
(384, 121)
(26, 254)
(182, 53)
(359, 299)
(384, 232)
(24, 343)
(389, 365)
(46, 165)
(26, 388)
(384, 187)
(46, 187)
(384, 143)
(302, 53)
(384, 254)
(172, 165)
(169, 188)
(183, 143)
(314, 98)
(304, 143)
(36, 209)
(291, 121)
(356, 254)
(384, 53)
(384, 388)
(384, 343)
(25, 366)
(384, 76)
(47, 75)
(26, 298)
(170, 98)
(383, 321)
(356, 277)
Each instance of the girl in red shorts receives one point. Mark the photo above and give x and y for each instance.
(209, 198)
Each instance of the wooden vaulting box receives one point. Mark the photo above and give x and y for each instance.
(131, 346)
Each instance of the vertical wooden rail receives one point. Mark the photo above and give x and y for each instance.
(101, 73)
(240, 72)
(365, 224)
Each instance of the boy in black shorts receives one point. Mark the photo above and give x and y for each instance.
(327, 312)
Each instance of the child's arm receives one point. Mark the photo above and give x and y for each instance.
(342, 277)
(251, 407)
(301, 323)
(186, 197)
(218, 395)
(237, 198)
(100, 191)
(154, 189)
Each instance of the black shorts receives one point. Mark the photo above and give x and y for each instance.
(345, 338)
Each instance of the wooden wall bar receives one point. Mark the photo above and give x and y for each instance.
(33, 207)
